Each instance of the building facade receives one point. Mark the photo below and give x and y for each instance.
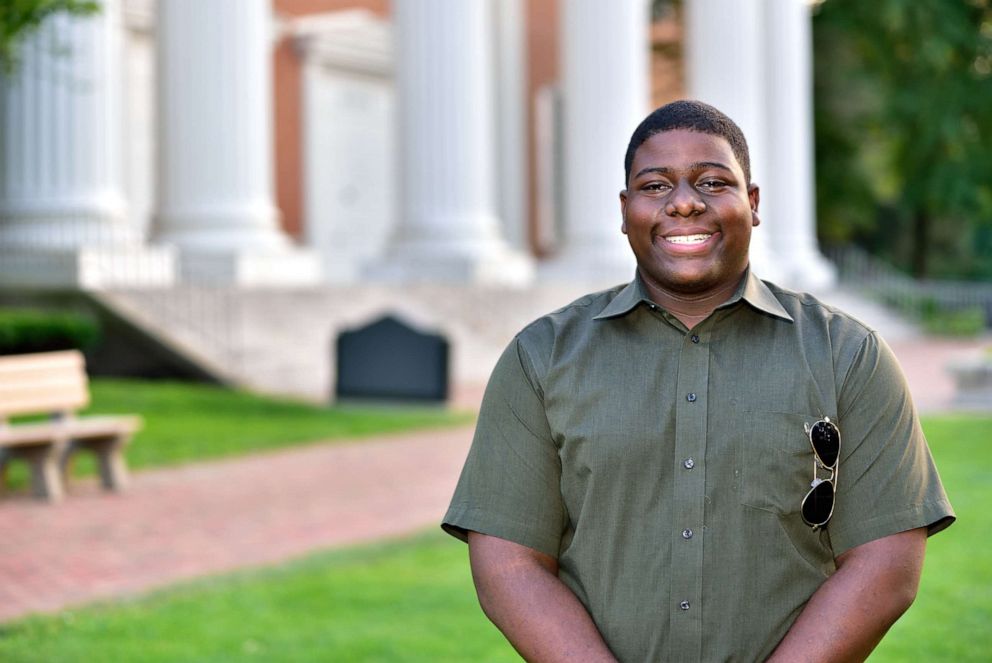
(245, 179)
(297, 142)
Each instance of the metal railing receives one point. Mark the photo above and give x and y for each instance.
(940, 305)
(140, 286)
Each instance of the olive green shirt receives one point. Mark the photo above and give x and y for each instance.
(664, 468)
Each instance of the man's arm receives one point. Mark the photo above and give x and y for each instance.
(875, 583)
(520, 592)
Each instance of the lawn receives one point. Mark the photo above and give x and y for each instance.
(952, 617)
(187, 422)
(413, 601)
(406, 601)
(190, 422)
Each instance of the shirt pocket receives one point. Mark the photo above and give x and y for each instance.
(775, 461)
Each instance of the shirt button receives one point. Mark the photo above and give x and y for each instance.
(687, 534)
(684, 605)
(688, 463)
(691, 397)
(694, 338)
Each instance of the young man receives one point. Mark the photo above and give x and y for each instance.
(699, 465)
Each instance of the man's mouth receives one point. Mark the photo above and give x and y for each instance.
(688, 239)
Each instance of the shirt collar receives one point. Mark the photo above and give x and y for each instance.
(626, 300)
(752, 290)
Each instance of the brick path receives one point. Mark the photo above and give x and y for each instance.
(211, 517)
(925, 360)
(181, 523)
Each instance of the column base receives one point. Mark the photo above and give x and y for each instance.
(290, 267)
(767, 265)
(809, 270)
(498, 265)
(590, 265)
(89, 268)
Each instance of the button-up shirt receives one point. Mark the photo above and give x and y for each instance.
(665, 467)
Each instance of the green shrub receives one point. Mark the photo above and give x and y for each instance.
(28, 330)
(935, 316)
(966, 321)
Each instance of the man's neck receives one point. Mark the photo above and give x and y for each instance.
(690, 309)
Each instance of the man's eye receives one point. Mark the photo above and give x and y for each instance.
(712, 184)
(654, 186)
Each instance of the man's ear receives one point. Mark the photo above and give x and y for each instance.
(623, 211)
(754, 196)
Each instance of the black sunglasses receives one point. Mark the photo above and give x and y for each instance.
(818, 505)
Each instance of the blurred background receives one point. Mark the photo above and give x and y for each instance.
(261, 220)
(230, 185)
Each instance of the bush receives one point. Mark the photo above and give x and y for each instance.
(26, 330)
(967, 321)
(937, 317)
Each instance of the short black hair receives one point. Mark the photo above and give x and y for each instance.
(692, 116)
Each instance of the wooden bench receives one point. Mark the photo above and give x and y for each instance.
(55, 384)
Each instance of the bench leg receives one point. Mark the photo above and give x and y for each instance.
(113, 469)
(46, 475)
(110, 460)
(4, 463)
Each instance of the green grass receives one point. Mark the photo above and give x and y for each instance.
(951, 619)
(413, 600)
(186, 422)
(407, 601)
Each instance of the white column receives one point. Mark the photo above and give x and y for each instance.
(215, 145)
(725, 68)
(62, 208)
(604, 63)
(789, 183)
(449, 228)
(511, 71)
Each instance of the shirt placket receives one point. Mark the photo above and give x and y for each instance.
(686, 607)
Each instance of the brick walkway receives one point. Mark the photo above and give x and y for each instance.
(212, 517)
(925, 360)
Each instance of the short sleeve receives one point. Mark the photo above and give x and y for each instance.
(887, 480)
(510, 484)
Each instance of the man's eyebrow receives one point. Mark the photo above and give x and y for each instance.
(699, 165)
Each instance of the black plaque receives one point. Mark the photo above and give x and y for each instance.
(389, 360)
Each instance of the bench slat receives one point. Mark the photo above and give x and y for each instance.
(73, 429)
(39, 399)
(66, 359)
(42, 383)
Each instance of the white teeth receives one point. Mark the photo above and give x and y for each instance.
(688, 239)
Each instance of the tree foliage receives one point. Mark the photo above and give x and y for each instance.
(19, 18)
(903, 127)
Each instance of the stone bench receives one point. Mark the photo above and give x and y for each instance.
(973, 383)
(55, 384)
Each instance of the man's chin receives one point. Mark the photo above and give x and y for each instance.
(681, 281)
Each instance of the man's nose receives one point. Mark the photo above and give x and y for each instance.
(685, 201)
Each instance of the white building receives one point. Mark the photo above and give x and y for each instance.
(430, 144)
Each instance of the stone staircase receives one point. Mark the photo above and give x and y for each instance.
(282, 341)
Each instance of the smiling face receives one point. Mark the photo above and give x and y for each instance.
(688, 213)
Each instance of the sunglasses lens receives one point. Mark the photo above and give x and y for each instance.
(819, 504)
(826, 441)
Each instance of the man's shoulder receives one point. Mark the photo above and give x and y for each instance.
(808, 309)
(574, 318)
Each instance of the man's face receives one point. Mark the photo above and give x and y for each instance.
(688, 213)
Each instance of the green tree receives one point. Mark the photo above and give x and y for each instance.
(18, 18)
(903, 124)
